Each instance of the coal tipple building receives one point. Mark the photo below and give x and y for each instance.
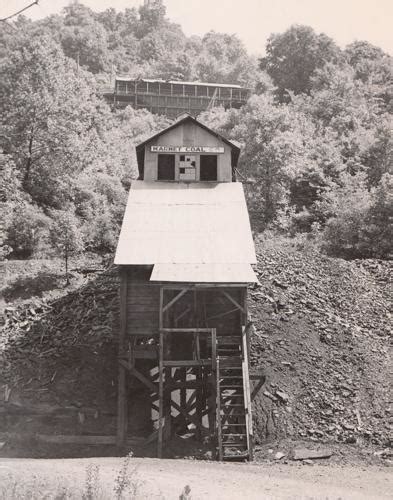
(184, 254)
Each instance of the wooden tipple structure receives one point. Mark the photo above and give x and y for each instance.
(185, 252)
(174, 97)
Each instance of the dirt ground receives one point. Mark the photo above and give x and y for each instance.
(166, 479)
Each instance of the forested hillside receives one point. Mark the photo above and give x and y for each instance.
(316, 133)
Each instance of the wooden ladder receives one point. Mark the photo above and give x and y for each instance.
(234, 424)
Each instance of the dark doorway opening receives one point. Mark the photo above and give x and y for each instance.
(166, 168)
(208, 169)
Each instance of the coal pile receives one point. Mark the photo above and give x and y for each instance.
(321, 336)
(63, 352)
(320, 340)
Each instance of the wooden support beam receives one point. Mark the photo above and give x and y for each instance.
(167, 404)
(191, 402)
(188, 384)
(186, 311)
(192, 418)
(160, 399)
(186, 330)
(148, 383)
(122, 377)
(183, 388)
(218, 412)
(85, 440)
(223, 314)
(191, 363)
(199, 404)
(213, 386)
(234, 302)
(174, 300)
(161, 379)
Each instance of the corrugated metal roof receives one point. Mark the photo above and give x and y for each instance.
(204, 273)
(179, 223)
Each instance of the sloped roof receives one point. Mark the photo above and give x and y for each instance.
(178, 123)
(140, 148)
(178, 82)
(204, 273)
(186, 223)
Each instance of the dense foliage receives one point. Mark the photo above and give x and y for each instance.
(316, 133)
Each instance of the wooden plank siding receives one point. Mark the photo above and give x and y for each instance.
(143, 299)
(143, 305)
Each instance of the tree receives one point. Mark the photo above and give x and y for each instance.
(293, 56)
(224, 59)
(160, 44)
(65, 235)
(50, 117)
(378, 157)
(152, 16)
(84, 39)
(380, 219)
(274, 153)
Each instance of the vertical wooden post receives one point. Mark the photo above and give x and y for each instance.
(160, 397)
(199, 402)
(245, 296)
(218, 412)
(122, 382)
(167, 404)
(161, 379)
(213, 388)
(183, 390)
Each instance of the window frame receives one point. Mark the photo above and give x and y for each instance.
(173, 166)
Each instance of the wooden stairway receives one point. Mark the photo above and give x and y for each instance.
(234, 424)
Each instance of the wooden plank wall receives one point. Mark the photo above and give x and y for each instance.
(143, 302)
(143, 309)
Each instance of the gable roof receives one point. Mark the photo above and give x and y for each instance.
(188, 224)
(140, 148)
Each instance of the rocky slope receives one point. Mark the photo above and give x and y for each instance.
(322, 329)
(320, 343)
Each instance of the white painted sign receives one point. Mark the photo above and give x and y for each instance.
(187, 149)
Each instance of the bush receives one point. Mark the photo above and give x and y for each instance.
(380, 219)
(361, 222)
(26, 228)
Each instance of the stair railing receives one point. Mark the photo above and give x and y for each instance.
(247, 392)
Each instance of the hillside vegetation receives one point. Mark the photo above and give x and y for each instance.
(315, 134)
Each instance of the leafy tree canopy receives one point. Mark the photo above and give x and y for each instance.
(293, 56)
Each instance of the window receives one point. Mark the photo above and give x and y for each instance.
(187, 170)
(208, 168)
(166, 168)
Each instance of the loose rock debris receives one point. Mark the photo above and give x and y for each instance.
(320, 338)
(322, 329)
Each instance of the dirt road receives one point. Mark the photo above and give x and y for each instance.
(165, 479)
